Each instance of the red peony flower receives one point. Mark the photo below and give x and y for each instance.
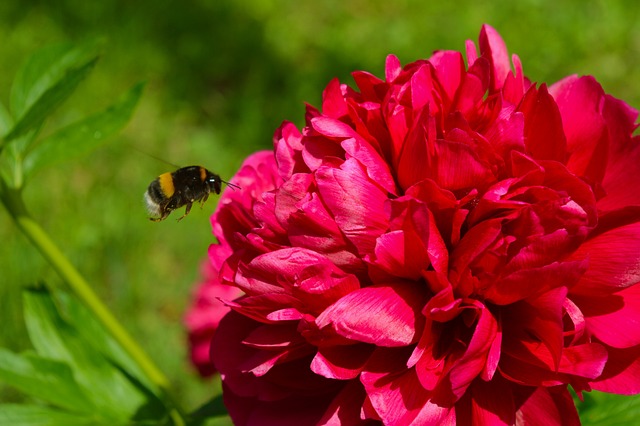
(449, 244)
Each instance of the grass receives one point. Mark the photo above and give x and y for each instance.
(221, 77)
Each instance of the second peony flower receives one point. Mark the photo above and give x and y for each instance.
(449, 243)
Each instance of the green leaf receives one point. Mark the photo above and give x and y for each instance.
(44, 69)
(607, 409)
(83, 136)
(111, 392)
(35, 415)
(49, 380)
(213, 412)
(92, 332)
(40, 98)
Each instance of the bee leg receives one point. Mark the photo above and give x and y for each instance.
(186, 211)
(204, 199)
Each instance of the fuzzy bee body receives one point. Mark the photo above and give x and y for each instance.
(183, 187)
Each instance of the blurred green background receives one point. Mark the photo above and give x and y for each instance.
(222, 75)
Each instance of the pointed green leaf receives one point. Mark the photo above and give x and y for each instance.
(49, 380)
(50, 99)
(84, 135)
(35, 415)
(44, 69)
(110, 391)
(92, 332)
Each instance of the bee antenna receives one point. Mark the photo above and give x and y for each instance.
(155, 158)
(231, 185)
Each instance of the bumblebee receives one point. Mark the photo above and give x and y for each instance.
(185, 186)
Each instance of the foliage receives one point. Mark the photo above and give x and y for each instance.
(86, 369)
(221, 76)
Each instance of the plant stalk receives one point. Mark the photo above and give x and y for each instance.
(12, 200)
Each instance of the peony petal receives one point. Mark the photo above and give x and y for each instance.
(546, 406)
(371, 87)
(605, 314)
(543, 131)
(493, 47)
(449, 70)
(580, 100)
(622, 173)
(621, 373)
(453, 165)
(377, 168)
(586, 360)
(396, 393)
(385, 315)
(409, 251)
(515, 85)
(529, 282)
(287, 142)
(345, 407)
(294, 410)
(621, 121)
(342, 362)
(356, 202)
(392, 68)
(333, 102)
(614, 261)
(488, 409)
(474, 359)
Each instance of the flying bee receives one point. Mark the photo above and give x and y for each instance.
(185, 186)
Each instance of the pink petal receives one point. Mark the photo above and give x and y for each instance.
(544, 135)
(580, 100)
(312, 226)
(621, 174)
(449, 69)
(371, 87)
(604, 314)
(377, 168)
(397, 395)
(422, 88)
(586, 360)
(409, 251)
(621, 120)
(392, 68)
(469, 366)
(493, 47)
(292, 410)
(333, 102)
(342, 362)
(453, 165)
(288, 150)
(356, 202)
(614, 261)
(528, 282)
(386, 315)
(515, 85)
(546, 406)
(491, 403)
(621, 373)
(541, 317)
(345, 407)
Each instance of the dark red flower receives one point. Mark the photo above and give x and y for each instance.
(449, 244)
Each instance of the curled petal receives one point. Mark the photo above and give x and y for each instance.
(392, 315)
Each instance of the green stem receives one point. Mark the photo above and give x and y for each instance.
(13, 202)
